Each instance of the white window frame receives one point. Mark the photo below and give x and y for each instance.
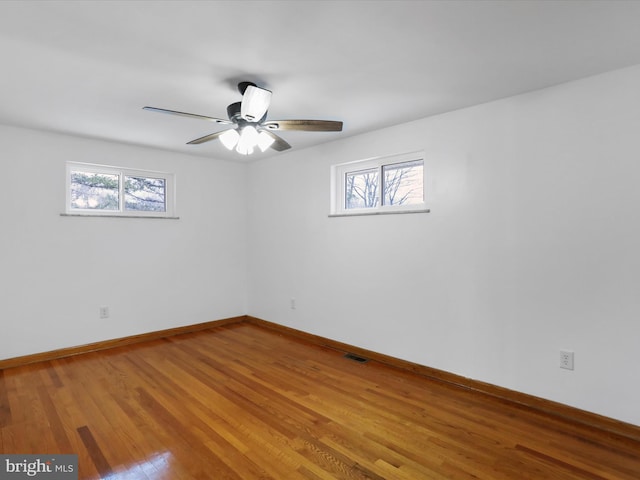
(338, 186)
(122, 172)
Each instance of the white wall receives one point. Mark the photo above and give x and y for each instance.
(153, 274)
(532, 245)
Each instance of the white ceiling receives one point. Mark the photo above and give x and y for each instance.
(88, 67)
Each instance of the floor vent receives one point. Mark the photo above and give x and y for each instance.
(355, 358)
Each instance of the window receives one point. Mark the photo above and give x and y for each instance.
(104, 190)
(380, 185)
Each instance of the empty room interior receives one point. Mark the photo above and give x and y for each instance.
(320, 239)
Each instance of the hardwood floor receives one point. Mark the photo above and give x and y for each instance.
(244, 402)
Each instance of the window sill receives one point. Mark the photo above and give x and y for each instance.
(361, 214)
(102, 215)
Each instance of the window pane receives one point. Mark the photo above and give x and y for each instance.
(96, 191)
(403, 183)
(361, 189)
(144, 194)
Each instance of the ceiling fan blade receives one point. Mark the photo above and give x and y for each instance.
(255, 103)
(206, 138)
(279, 143)
(304, 125)
(189, 115)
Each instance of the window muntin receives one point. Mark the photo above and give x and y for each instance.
(106, 190)
(381, 185)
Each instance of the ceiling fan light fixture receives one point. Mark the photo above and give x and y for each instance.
(229, 138)
(248, 140)
(265, 141)
(244, 150)
(249, 135)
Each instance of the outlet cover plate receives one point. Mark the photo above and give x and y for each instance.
(566, 359)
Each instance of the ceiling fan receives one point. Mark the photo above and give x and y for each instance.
(251, 127)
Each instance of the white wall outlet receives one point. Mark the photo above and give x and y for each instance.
(104, 312)
(293, 303)
(566, 359)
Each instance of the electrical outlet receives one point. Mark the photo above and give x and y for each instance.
(566, 359)
(104, 312)
(293, 303)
